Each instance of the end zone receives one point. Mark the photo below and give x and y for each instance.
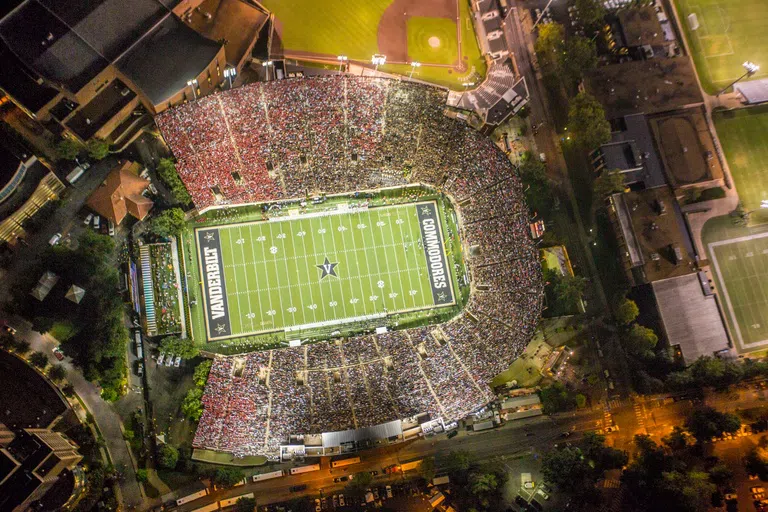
(214, 285)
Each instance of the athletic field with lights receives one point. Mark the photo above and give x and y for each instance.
(305, 272)
(730, 32)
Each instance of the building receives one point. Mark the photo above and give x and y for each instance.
(31, 463)
(103, 68)
(121, 194)
(26, 185)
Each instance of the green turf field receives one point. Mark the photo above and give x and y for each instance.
(730, 32)
(741, 268)
(744, 136)
(432, 40)
(325, 269)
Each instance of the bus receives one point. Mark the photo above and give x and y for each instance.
(305, 469)
(208, 508)
(345, 462)
(231, 501)
(267, 476)
(191, 497)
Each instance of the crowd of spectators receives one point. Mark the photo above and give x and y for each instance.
(333, 134)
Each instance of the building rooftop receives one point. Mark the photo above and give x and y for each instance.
(104, 106)
(690, 317)
(162, 62)
(21, 83)
(631, 150)
(641, 26)
(656, 239)
(120, 194)
(649, 86)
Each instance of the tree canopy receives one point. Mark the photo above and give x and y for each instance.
(590, 12)
(184, 347)
(608, 183)
(167, 456)
(98, 149)
(38, 359)
(549, 47)
(68, 149)
(245, 505)
(228, 477)
(587, 123)
(200, 375)
(641, 340)
(704, 423)
(626, 311)
(167, 223)
(166, 169)
(192, 405)
(578, 57)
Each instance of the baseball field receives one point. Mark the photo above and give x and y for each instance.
(730, 32)
(439, 34)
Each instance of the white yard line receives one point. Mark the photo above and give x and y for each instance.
(245, 274)
(407, 261)
(253, 251)
(239, 306)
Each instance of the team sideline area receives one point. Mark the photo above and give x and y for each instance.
(292, 141)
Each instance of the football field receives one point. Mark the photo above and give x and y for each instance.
(730, 32)
(741, 267)
(322, 269)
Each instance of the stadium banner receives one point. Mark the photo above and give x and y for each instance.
(212, 274)
(432, 236)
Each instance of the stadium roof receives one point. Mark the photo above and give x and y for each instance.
(690, 317)
(754, 91)
(120, 194)
(382, 431)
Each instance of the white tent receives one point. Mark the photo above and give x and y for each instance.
(75, 294)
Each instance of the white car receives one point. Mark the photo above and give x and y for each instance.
(160, 359)
(389, 491)
(177, 362)
(111, 228)
(96, 222)
(341, 500)
(88, 219)
(169, 360)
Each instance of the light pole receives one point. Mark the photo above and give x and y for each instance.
(342, 59)
(378, 60)
(267, 66)
(230, 73)
(193, 84)
(541, 15)
(414, 65)
(750, 67)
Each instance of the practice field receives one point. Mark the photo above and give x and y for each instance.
(730, 32)
(741, 268)
(744, 136)
(437, 33)
(322, 270)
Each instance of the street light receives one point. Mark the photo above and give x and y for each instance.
(750, 69)
(378, 60)
(230, 73)
(342, 59)
(414, 65)
(193, 84)
(267, 65)
(541, 15)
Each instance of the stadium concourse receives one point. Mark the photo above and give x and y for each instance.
(299, 137)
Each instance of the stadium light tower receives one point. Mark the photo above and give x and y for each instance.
(414, 65)
(193, 84)
(546, 8)
(267, 65)
(750, 69)
(342, 59)
(378, 60)
(230, 73)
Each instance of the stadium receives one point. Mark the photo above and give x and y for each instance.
(357, 258)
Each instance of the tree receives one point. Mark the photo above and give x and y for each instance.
(549, 47)
(98, 149)
(556, 398)
(168, 456)
(427, 468)
(167, 172)
(358, 485)
(720, 474)
(141, 475)
(38, 359)
(192, 406)
(705, 423)
(228, 477)
(677, 440)
(608, 183)
(184, 347)
(641, 340)
(580, 400)
(202, 370)
(484, 487)
(567, 469)
(579, 56)
(570, 289)
(538, 193)
(245, 505)
(587, 123)
(68, 149)
(42, 324)
(756, 461)
(626, 311)
(57, 372)
(168, 223)
(68, 390)
(591, 13)
(7, 341)
(458, 462)
(22, 347)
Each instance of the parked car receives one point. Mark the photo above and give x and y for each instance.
(96, 222)
(177, 362)
(140, 369)
(58, 354)
(55, 239)
(389, 491)
(341, 500)
(298, 488)
(160, 359)
(88, 219)
(111, 228)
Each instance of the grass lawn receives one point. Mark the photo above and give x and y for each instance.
(432, 40)
(227, 458)
(62, 331)
(744, 136)
(730, 32)
(526, 369)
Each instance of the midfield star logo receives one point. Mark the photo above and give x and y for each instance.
(328, 268)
